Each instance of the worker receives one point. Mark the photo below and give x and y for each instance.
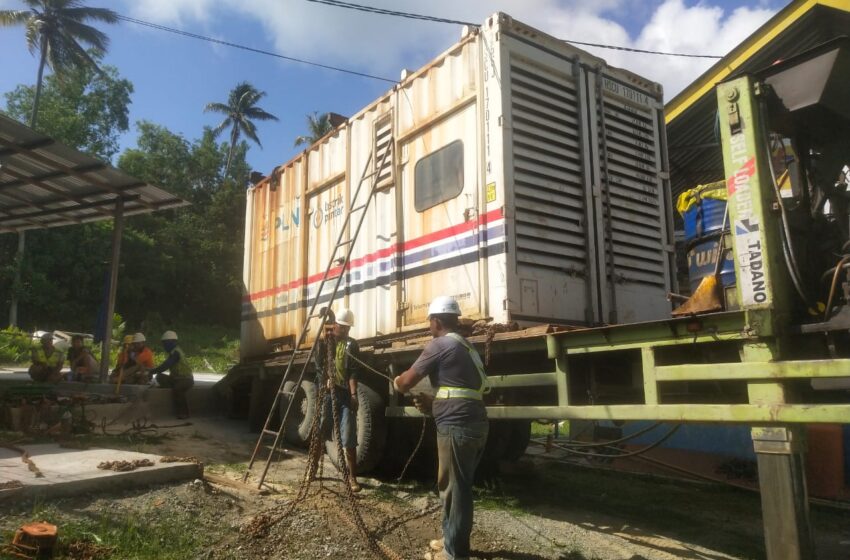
(342, 380)
(47, 361)
(455, 369)
(137, 374)
(179, 379)
(83, 365)
(126, 359)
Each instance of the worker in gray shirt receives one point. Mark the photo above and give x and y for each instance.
(455, 368)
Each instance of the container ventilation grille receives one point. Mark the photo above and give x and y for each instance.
(548, 173)
(630, 171)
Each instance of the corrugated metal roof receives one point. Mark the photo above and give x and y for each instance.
(44, 183)
(693, 140)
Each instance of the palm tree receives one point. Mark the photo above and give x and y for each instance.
(318, 125)
(56, 29)
(240, 110)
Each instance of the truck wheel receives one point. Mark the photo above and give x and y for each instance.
(519, 436)
(371, 431)
(297, 429)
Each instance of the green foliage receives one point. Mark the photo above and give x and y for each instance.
(56, 29)
(318, 126)
(86, 109)
(178, 267)
(240, 112)
(15, 346)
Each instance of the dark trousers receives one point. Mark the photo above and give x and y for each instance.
(459, 449)
(179, 387)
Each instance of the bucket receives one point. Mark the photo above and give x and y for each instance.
(704, 218)
(702, 209)
(701, 263)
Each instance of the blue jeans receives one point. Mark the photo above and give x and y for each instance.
(347, 420)
(459, 449)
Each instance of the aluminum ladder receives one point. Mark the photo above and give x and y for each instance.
(314, 312)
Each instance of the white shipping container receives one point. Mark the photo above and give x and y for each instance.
(523, 176)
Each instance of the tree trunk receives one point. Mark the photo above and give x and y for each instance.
(37, 98)
(234, 136)
(19, 257)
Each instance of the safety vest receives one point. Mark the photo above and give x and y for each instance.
(182, 367)
(445, 392)
(55, 359)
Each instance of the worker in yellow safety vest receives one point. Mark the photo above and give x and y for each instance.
(179, 379)
(456, 370)
(47, 361)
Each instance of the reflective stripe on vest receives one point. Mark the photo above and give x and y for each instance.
(464, 392)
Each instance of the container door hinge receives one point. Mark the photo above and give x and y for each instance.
(664, 175)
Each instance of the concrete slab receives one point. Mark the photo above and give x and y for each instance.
(74, 471)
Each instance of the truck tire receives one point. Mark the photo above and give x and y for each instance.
(297, 429)
(519, 436)
(371, 431)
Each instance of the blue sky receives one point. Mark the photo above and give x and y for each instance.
(174, 77)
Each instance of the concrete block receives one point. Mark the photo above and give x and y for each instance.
(73, 471)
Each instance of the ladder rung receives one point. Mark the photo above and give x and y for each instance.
(289, 393)
(361, 207)
(344, 243)
(270, 433)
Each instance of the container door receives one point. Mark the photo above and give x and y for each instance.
(440, 184)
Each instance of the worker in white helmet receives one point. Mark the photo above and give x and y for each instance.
(179, 379)
(342, 376)
(134, 363)
(455, 368)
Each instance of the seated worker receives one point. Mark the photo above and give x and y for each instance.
(47, 361)
(180, 379)
(126, 358)
(83, 365)
(137, 373)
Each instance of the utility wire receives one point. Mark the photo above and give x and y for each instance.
(423, 17)
(250, 49)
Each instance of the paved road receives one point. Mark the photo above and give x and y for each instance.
(15, 373)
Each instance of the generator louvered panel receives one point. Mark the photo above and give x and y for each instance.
(384, 144)
(632, 206)
(548, 176)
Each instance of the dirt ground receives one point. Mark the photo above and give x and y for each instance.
(538, 508)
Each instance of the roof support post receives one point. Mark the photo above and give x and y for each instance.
(117, 231)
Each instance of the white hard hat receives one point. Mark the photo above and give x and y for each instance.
(61, 345)
(139, 337)
(345, 317)
(169, 335)
(444, 305)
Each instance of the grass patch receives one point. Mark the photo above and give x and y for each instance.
(137, 535)
(497, 501)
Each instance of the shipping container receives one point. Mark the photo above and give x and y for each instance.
(520, 175)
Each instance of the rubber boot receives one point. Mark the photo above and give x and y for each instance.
(351, 459)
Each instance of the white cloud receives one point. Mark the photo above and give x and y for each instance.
(383, 44)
